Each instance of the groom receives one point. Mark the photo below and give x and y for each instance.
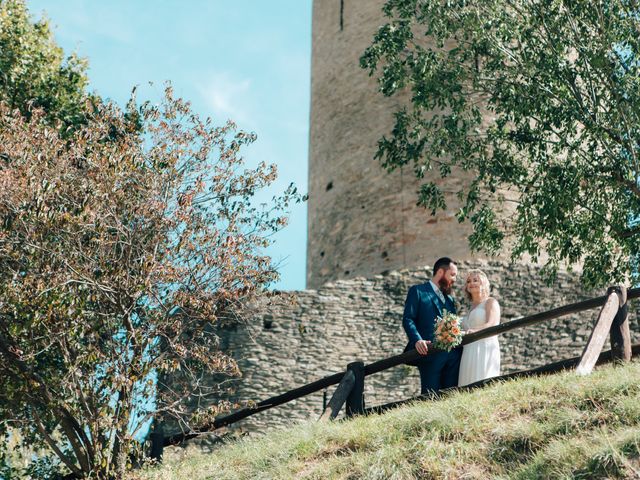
(424, 304)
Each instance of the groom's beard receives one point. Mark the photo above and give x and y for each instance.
(445, 286)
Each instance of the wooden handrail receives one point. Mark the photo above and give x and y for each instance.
(604, 357)
(390, 362)
(264, 405)
(412, 355)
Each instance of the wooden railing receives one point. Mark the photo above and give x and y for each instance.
(612, 321)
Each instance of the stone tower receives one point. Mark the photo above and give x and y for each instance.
(362, 220)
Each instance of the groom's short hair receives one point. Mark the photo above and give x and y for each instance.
(443, 262)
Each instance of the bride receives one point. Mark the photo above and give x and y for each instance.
(480, 359)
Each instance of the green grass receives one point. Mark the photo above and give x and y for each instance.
(559, 426)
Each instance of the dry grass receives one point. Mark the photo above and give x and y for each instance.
(560, 426)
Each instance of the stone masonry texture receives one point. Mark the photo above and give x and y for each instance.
(303, 336)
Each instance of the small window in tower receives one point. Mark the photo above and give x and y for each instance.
(341, 15)
(385, 254)
(347, 272)
(329, 186)
(322, 254)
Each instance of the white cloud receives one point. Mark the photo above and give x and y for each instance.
(227, 97)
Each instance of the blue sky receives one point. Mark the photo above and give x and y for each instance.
(247, 60)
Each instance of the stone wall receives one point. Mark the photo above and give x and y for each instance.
(303, 336)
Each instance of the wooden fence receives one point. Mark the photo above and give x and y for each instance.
(612, 322)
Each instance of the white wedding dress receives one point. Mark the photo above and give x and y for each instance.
(480, 359)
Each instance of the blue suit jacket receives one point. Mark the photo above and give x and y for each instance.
(421, 309)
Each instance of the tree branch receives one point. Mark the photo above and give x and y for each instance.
(52, 443)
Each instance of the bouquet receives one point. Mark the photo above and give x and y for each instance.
(447, 333)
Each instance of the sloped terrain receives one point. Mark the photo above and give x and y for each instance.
(559, 426)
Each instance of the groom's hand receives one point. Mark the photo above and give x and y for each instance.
(422, 346)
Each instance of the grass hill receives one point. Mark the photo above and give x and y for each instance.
(559, 426)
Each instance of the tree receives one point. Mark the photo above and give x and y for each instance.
(119, 254)
(541, 100)
(34, 72)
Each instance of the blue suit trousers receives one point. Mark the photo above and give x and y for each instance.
(439, 370)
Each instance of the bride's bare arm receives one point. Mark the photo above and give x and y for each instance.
(492, 307)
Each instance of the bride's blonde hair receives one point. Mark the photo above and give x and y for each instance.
(485, 286)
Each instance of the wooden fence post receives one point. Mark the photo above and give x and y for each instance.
(355, 400)
(324, 400)
(339, 397)
(620, 336)
(157, 440)
(598, 335)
